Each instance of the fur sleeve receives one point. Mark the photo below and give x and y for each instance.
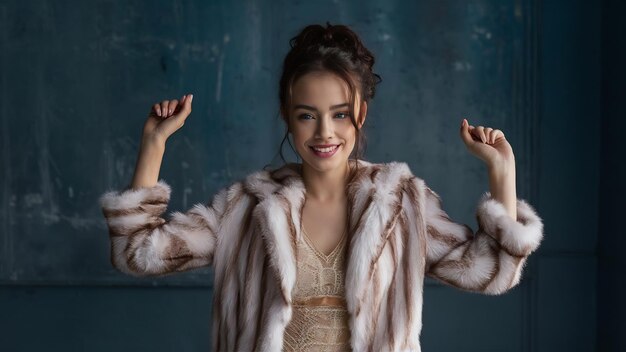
(489, 261)
(144, 243)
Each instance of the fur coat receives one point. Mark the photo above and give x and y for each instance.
(247, 232)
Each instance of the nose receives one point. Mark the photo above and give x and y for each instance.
(324, 128)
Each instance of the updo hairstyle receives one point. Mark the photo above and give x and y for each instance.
(336, 49)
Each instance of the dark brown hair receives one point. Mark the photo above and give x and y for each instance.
(336, 49)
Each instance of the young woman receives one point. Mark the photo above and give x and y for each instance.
(328, 254)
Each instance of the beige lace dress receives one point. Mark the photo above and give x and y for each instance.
(320, 319)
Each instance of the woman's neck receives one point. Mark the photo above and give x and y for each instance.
(325, 186)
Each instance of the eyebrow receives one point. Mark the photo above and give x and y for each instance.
(302, 106)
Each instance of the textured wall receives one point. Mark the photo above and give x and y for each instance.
(77, 80)
(611, 240)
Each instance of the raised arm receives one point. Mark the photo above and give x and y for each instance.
(143, 242)
(490, 260)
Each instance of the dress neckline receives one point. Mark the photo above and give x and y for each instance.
(318, 252)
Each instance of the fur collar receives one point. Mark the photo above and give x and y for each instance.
(374, 201)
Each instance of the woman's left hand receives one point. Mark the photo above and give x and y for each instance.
(489, 145)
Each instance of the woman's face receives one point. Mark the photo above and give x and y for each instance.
(319, 116)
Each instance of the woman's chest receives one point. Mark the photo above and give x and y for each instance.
(323, 225)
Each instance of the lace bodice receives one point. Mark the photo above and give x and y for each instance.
(320, 319)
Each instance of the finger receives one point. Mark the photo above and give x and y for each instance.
(157, 109)
(473, 133)
(488, 134)
(165, 107)
(187, 103)
(181, 104)
(172, 107)
(184, 111)
(497, 134)
(480, 131)
(465, 133)
(482, 134)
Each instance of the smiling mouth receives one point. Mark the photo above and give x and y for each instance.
(325, 150)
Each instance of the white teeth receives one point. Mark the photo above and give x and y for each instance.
(325, 150)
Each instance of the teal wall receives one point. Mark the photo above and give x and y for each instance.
(611, 240)
(78, 78)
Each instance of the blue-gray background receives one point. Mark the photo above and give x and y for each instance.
(78, 78)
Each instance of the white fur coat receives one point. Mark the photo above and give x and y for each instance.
(398, 234)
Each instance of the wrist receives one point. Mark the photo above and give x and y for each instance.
(153, 143)
(501, 170)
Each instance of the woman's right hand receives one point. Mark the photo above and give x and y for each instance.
(165, 118)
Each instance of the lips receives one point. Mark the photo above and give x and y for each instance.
(324, 145)
(325, 152)
(325, 148)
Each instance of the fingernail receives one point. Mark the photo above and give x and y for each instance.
(190, 97)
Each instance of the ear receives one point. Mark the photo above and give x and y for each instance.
(362, 114)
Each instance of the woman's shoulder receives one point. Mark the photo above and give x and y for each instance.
(397, 176)
(394, 170)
